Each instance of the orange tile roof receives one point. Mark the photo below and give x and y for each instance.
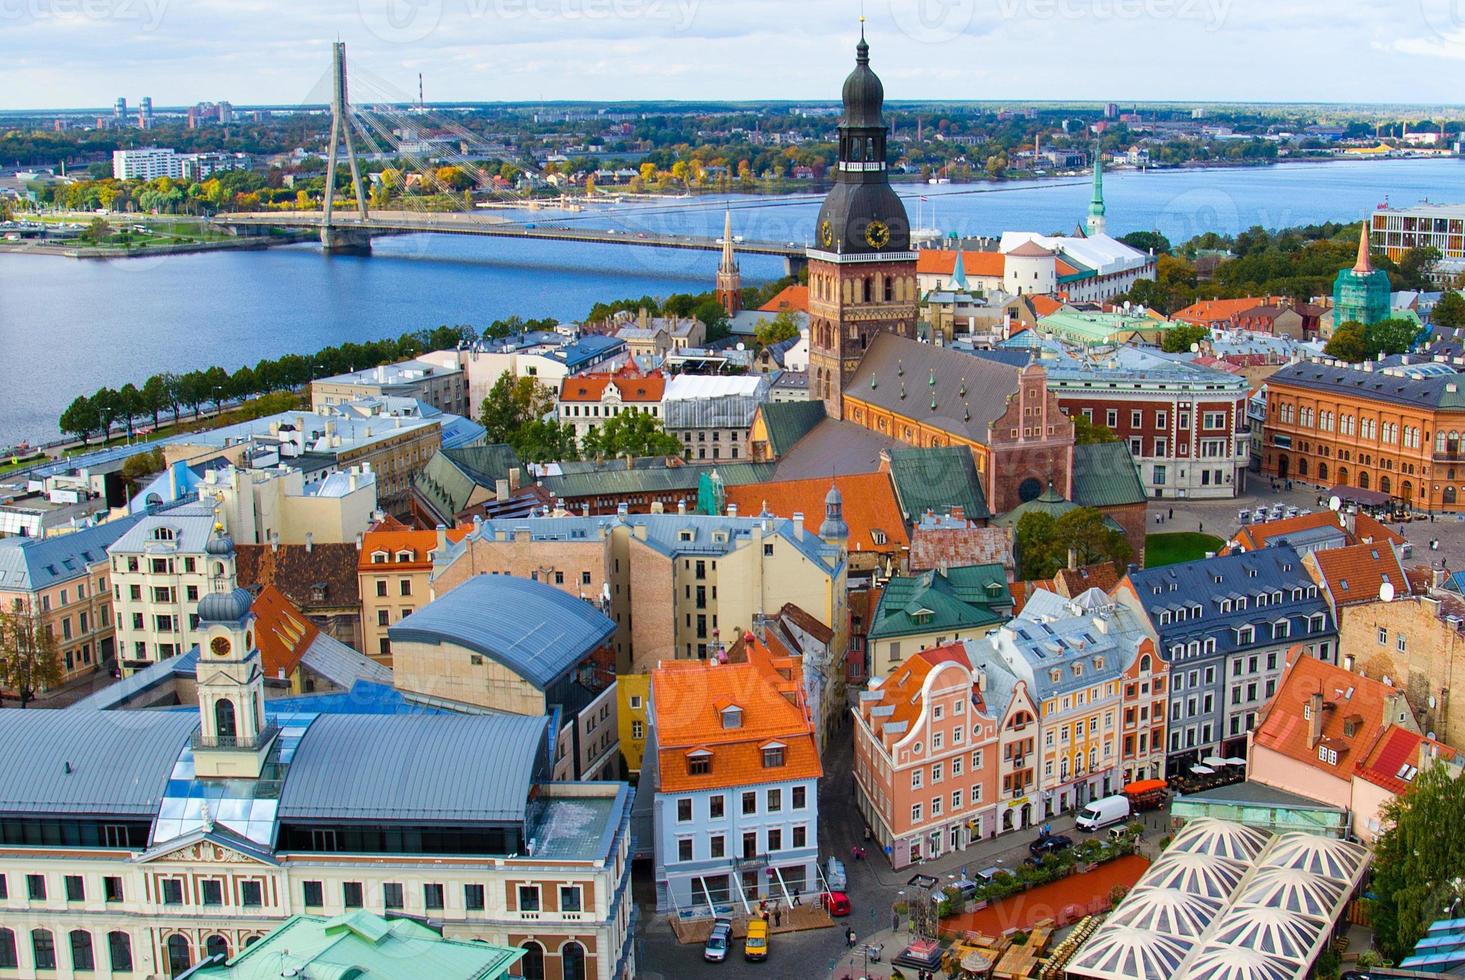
(1357, 572)
(870, 505)
(1350, 701)
(942, 262)
(380, 538)
(688, 698)
(793, 297)
(282, 634)
(1366, 529)
(1045, 305)
(1209, 311)
(633, 384)
(1064, 269)
(902, 687)
(1397, 748)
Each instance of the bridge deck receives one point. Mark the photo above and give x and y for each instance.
(398, 222)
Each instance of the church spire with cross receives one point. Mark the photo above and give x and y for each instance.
(729, 278)
(1096, 222)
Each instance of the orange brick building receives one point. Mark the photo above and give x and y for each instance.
(1391, 427)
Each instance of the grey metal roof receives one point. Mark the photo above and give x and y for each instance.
(1429, 384)
(32, 564)
(192, 526)
(119, 760)
(341, 665)
(424, 768)
(536, 630)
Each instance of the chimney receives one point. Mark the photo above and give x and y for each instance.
(958, 513)
(358, 542)
(501, 490)
(657, 507)
(1315, 720)
(1073, 559)
(982, 678)
(274, 540)
(309, 542)
(798, 520)
(682, 506)
(732, 510)
(514, 477)
(442, 537)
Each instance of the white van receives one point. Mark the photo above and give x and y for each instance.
(1101, 813)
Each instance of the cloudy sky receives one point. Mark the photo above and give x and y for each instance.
(82, 53)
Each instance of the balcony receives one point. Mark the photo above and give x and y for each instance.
(239, 742)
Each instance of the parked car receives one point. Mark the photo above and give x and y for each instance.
(1050, 844)
(755, 943)
(714, 950)
(835, 903)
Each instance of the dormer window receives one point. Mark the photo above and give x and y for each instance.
(162, 534)
(1078, 670)
(699, 763)
(878, 536)
(732, 717)
(404, 556)
(378, 557)
(1055, 675)
(773, 755)
(1098, 663)
(1325, 754)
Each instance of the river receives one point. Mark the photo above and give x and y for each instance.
(69, 326)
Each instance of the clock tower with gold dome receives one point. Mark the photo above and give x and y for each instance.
(862, 272)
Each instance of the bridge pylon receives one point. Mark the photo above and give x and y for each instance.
(332, 237)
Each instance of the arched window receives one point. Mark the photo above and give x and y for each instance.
(81, 950)
(1144, 664)
(1384, 485)
(532, 964)
(180, 958)
(217, 945)
(1302, 466)
(1322, 471)
(1363, 479)
(43, 947)
(8, 959)
(119, 948)
(225, 721)
(572, 961)
(1406, 490)
(1449, 495)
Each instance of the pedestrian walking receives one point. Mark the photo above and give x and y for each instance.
(1199, 526)
(777, 916)
(1171, 515)
(849, 937)
(797, 899)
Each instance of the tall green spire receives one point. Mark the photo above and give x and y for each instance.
(1095, 223)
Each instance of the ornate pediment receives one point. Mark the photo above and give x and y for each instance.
(210, 848)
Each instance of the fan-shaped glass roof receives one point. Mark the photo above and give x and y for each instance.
(1168, 911)
(1222, 839)
(1325, 856)
(1273, 931)
(1194, 872)
(1124, 951)
(1216, 962)
(1294, 891)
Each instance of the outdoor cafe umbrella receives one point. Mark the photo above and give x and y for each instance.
(1214, 760)
(1202, 770)
(1234, 762)
(975, 962)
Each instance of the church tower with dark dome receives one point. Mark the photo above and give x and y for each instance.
(862, 272)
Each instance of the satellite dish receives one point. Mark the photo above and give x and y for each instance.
(1195, 348)
(1335, 503)
(1432, 704)
(1386, 592)
(1429, 735)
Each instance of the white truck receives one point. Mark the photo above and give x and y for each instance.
(1102, 813)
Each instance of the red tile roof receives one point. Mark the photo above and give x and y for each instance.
(794, 297)
(393, 540)
(1209, 311)
(634, 386)
(282, 634)
(1356, 573)
(1045, 305)
(1354, 711)
(688, 698)
(870, 505)
(942, 262)
(902, 687)
(956, 546)
(1365, 529)
(1397, 749)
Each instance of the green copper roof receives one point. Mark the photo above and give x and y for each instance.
(931, 602)
(450, 477)
(1104, 475)
(937, 478)
(1096, 203)
(788, 422)
(363, 944)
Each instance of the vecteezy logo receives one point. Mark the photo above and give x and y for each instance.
(932, 21)
(400, 21)
(1446, 18)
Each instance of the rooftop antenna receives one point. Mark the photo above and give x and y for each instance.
(420, 103)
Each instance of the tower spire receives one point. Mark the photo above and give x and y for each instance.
(1364, 265)
(1095, 224)
(729, 278)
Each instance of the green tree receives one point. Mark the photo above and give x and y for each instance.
(1178, 340)
(782, 327)
(108, 410)
(154, 396)
(1392, 336)
(1043, 542)
(29, 659)
(1449, 311)
(711, 313)
(1348, 343)
(630, 434)
(1147, 240)
(513, 403)
(140, 465)
(1417, 265)
(81, 418)
(129, 405)
(1086, 432)
(1419, 860)
(545, 440)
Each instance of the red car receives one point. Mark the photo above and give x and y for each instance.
(835, 903)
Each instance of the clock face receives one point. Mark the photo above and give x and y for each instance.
(877, 234)
(220, 646)
(826, 233)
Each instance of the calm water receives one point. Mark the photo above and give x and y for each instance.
(70, 326)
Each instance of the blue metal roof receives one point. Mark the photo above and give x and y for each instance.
(427, 768)
(81, 762)
(587, 349)
(538, 631)
(31, 564)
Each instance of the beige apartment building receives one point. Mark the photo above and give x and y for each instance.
(395, 575)
(441, 386)
(258, 506)
(64, 582)
(159, 572)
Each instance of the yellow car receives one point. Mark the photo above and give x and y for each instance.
(755, 944)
